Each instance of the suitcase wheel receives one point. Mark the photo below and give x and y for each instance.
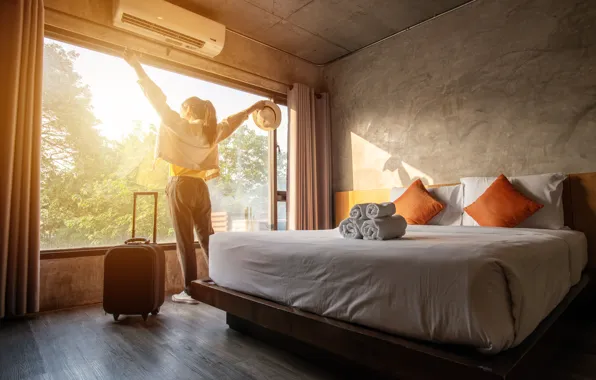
(116, 316)
(145, 316)
(155, 312)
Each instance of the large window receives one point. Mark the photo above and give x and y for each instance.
(98, 138)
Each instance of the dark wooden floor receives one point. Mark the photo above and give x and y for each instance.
(193, 342)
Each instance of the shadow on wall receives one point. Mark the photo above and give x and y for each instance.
(375, 168)
(495, 87)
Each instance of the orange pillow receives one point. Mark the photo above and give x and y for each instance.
(502, 205)
(416, 204)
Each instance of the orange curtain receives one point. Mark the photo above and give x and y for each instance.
(21, 67)
(309, 160)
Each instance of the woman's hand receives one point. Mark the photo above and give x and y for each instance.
(257, 106)
(131, 58)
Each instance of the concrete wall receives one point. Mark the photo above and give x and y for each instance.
(241, 59)
(496, 86)
(78, 281)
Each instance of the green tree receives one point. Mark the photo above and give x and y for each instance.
(68, 134)
(105, 203)
(243, 180)
(88, 181)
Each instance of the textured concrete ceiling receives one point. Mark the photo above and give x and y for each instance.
(318, 30)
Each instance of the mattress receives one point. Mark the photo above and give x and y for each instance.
(483, 287)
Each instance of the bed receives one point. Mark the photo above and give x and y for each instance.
(488, 288)
(484, 287)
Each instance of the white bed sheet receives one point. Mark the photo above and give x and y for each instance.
(484, 287)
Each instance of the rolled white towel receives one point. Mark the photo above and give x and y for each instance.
(380, 210)
(389, 228)
(350, 229)
(358, 212)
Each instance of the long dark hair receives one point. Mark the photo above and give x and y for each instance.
(204, 111)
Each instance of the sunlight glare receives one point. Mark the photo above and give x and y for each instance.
(118, 101)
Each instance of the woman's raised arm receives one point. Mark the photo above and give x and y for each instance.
(227, 126)
(156, 97)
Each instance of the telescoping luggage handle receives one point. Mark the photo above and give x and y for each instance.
(136, 240)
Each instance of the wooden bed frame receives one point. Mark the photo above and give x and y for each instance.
(312, 335)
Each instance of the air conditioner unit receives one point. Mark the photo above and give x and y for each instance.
(166, 22)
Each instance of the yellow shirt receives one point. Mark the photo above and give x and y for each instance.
(179, 171)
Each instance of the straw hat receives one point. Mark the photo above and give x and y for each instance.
(269, 118)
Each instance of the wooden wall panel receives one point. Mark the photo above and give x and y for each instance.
(583, 204)
(344, 201)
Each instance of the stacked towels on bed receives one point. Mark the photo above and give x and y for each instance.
(373, 221)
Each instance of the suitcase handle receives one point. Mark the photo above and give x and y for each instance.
(137, 241)
(134, 213)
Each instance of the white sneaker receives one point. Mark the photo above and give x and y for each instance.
(182, 297)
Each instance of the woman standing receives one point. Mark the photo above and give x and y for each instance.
(188, 142)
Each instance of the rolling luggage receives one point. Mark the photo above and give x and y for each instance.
(134, 273)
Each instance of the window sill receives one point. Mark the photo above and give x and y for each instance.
(68, 253)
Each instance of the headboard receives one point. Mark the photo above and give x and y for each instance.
(579, 201)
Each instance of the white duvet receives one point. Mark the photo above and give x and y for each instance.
(484, 287)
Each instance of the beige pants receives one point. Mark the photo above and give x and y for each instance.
(190, 209)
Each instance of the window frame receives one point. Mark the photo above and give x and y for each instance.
(67, 253)
(177, 68)
(164, 64)
(275, 195)
(273, 180)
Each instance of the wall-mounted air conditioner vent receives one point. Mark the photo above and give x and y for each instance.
(171, 24)
(153, 27)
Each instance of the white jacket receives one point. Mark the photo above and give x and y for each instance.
(176, 142)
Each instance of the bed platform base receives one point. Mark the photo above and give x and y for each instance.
(308, 334)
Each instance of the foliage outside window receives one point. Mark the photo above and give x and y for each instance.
(98, 136)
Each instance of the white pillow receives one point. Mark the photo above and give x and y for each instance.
(546, 189)
(450, 196)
